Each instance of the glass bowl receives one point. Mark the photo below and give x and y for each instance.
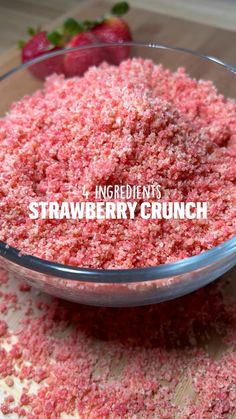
(123, 287)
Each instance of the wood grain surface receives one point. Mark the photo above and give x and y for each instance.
(151, 26)
(16, 15)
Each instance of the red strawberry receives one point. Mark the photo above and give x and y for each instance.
(109, 28)
(114, 29)
(37, 46)
(77, 62)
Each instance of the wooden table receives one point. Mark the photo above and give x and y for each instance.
(150, 26)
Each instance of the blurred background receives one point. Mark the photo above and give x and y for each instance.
(16, 15)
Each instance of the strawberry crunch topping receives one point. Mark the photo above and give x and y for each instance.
(175, 359)
(135, 124)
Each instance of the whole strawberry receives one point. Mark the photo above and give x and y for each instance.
(114, 30)
(77, 62)
(37, 46)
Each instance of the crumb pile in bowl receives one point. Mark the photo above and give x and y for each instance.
(136, 124)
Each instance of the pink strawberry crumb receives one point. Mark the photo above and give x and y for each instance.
(3, 328)
(99, 363)
(24, 287)
(9, 382)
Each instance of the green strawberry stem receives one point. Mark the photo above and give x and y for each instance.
(72, 26)
(119, 9)
(32, 31)
(56, 38)
(21, 43)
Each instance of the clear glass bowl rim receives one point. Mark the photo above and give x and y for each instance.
(159, 272)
